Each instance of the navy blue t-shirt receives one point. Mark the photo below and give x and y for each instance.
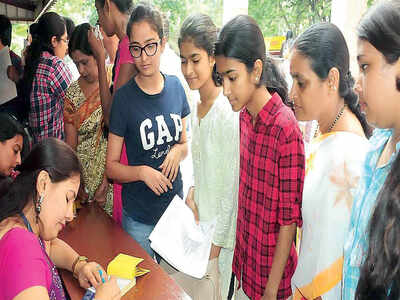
(150, 125)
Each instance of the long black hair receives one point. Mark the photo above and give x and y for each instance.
(51, 155)
(242, 39)
(201, 30)
(79, 40)
(70, 25)
(380, 272)
(325, 47)
(49, 25)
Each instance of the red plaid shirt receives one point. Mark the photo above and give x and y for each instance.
(270, 194)
(51, 79)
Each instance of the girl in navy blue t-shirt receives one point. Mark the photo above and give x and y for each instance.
(149, 115)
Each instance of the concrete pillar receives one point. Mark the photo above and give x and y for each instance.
(346, 14)
(233, 8)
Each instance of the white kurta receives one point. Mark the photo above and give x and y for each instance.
(215, 153)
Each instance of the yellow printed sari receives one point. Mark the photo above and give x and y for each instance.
(333, 168)
(86, 115)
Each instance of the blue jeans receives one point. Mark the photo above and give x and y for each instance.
(139, 231)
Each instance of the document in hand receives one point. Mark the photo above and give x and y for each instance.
(8, 90)
(180, 241)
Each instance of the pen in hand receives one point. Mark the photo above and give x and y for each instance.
(101, 276)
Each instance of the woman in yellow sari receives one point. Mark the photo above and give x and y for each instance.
(83, 117)
(323, 91)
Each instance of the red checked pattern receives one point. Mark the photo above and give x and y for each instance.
(52, 78)
(272, 166)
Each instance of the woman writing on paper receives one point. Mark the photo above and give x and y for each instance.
(33, 211)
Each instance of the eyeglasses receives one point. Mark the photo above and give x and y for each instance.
(65, 40)
(150, 49)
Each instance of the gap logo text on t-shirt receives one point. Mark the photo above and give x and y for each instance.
(149, 139)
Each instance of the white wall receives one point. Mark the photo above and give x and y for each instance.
(346, 14)
(233, 8)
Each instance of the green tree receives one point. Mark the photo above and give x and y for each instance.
(178, 10)
(278, 16)
(19, 33)
(79, 11)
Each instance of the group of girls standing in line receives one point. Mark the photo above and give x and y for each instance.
(251, 172)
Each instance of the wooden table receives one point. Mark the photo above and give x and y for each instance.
(95, 235)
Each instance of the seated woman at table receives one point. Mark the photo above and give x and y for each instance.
(34, 210)
(84, 120)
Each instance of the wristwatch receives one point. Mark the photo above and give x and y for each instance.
(78, 259)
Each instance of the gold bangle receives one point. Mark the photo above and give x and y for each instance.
(78, 259)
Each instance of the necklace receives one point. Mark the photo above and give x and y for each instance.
(26, 222)
(316, 132)
(337, 118)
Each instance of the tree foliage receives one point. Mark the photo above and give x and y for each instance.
(79, 11)
(279, 16)
(19, 33)
(176, 11)
(275, 17)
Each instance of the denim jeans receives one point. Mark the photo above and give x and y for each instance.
(139, 231)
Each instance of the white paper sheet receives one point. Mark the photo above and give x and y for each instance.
(8, 90)
(124, 285)
(180, 241)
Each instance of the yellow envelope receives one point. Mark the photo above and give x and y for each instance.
(125, 266)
